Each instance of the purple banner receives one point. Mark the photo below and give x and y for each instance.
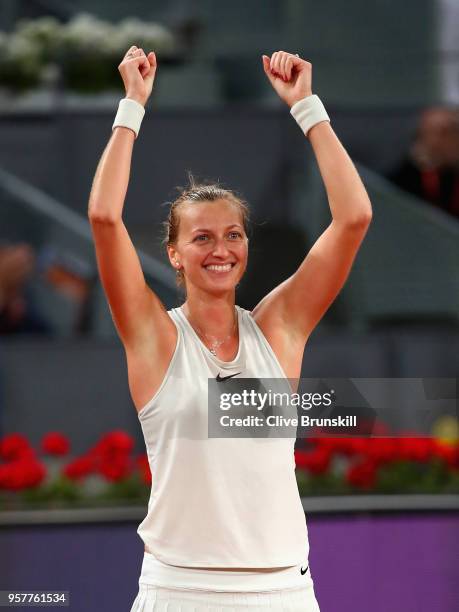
(359, 563)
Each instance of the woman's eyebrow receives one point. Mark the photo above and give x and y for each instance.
(201, 229)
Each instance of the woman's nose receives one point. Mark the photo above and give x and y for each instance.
(220, 248)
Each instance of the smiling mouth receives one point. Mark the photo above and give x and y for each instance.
(220, 268)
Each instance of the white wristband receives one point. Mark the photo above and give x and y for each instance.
(308, 112)
(130, 114)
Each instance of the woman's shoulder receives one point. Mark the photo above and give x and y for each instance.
(245, 315)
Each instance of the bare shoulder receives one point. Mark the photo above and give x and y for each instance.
(148, 359)
(288, 345)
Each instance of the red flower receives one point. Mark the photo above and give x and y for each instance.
(324, 443)
(382, 450)
(362, 475)
(55, 443)
(448, 453)
(79, 468)
(14, 446)
(116, 468)
(4, 471)
(22, 474)
(316, 461)
(415, 449)
(114, 443)
(144, 467)
(34, 472)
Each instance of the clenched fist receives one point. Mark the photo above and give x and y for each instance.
(289, 75)
(138, 73)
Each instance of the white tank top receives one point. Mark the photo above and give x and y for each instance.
(218, 502)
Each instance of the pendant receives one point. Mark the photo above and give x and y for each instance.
(213, 351)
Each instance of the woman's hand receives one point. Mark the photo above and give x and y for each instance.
(138, 72)
(289, 75)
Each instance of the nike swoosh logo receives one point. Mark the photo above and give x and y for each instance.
(303, 572)
(223, 378)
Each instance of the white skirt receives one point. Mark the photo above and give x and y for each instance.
(169, 588)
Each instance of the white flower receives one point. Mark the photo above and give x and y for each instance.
(87, 33)
(23, 51)
(44, 28)
(147, 35)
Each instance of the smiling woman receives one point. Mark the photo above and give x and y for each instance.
(243, 530)
(195, 215)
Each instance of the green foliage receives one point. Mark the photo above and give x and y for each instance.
(412, 477)
(128, 490)
(59, 493)
(394, 477)
(321, 484)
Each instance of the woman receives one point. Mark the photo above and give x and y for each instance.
(225, 527)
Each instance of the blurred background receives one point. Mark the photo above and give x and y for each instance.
(74, 480)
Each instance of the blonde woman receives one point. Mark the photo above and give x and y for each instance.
(225, 527)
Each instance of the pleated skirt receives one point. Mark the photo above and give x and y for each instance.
(159, 599)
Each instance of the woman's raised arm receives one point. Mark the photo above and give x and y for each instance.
(138, 314)
(301, 300)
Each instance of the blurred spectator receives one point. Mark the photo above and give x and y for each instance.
(431, 168)
(18, 313)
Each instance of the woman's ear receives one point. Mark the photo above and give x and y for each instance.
(174, 257)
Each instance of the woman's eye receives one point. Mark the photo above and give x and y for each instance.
(201, 237)
(235, 235)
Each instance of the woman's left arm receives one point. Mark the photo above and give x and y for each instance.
(301, 300)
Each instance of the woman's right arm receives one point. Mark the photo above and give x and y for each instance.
(139, 316)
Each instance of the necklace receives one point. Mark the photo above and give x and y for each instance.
(216, 344)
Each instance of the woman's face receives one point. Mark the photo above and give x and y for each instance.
(212, 245)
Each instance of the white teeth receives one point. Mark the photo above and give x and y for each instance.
(225, 268)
